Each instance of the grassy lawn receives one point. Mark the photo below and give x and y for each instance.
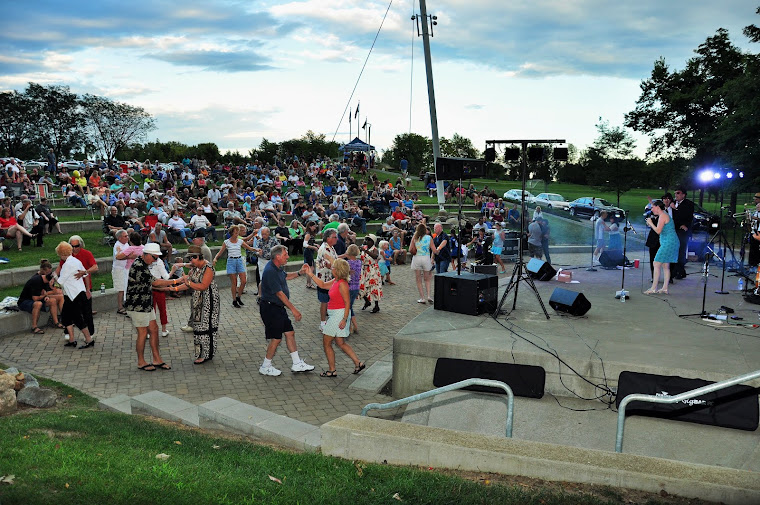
(76, 454)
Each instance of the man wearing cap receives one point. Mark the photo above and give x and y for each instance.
(139, 305)
(275, 297)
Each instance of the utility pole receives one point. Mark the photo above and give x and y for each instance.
(431, 97)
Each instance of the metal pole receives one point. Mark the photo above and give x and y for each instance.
(431, 101)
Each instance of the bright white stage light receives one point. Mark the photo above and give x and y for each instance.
(706, 175)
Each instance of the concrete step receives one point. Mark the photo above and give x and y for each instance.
(382, 441)
(164, 406)
(119, 403)
(374, 378)
(231, 415)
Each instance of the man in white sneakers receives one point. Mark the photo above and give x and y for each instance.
(275, 297)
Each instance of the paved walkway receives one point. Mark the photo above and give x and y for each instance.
(111, 367)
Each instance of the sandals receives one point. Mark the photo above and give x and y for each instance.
(650, 292)
(162, 366)
(663, 291)
(37, 330)
(123, 312)
(59, 326)
(358, 368)
(147, 368)
(329, 373)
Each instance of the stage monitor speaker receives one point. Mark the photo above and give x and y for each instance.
(540, 270)
(560, 154)
(525, 380)
(612, 258)
(468, 293)
(734, 407)
(459, 168)
(535, 154)
(484, 269)
(512, 154)
(564, 300)
(490, 154)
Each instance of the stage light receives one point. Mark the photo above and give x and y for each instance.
(716, 175)
(535, 154)
(560, 154)
(741, 175)
(706, 175)
(490, 154)
(729, 175)
(512, 154)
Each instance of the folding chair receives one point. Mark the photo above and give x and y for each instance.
(43, 192)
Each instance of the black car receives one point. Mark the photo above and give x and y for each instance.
(587, 207)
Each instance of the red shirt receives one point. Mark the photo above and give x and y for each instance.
(7, 222)
(399, 216)
(336, 300)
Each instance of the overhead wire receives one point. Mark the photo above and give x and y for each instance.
(366, 60)
(411, 73)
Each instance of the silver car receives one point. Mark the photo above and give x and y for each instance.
(551, 201)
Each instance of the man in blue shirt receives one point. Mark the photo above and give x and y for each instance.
(275, 297)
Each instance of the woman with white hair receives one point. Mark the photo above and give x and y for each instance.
(118, 269)
(74, 296)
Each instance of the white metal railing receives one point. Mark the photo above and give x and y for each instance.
(673, 399)
(451, 387)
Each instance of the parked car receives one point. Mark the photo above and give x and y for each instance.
(551, 201)
(514, 195)
(39, 165)
(591, 207)
(70, 165)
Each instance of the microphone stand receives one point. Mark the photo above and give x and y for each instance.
(627, 226)
(705, 275)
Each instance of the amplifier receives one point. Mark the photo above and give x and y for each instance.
(484, 269)
(468, 293)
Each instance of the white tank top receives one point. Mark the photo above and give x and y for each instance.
(233, 248)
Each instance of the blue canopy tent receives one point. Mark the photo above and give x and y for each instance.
(356, 145)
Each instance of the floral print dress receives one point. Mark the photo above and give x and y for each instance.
(371, 284)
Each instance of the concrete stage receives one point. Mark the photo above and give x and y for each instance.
(644, 334)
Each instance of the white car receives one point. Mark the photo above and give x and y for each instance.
(39, 165)
(514, 195)
(70, 165)
(551, 201)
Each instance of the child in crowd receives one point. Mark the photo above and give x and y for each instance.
(385, 262)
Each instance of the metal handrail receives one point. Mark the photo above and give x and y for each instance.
(673, 399)
(451, 387)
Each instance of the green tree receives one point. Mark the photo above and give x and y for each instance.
(59, 119)
(114, 125)
(266, 152)
(458, 147)
(610, 163)
(415, 148)
(17, 126)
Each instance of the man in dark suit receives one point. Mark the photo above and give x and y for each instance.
(683, 216)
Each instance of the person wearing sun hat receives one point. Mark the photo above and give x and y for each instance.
(139, 305)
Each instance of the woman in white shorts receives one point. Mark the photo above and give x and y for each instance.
(235, 263)
(421, 262)
(338, 315)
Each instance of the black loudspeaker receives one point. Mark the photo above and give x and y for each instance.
(489, 154)
(560, 154)
(535, 154)
(467, 293)
(484, 269)
(733, 407)
(525, 380)
(612, 258)
(540, 270)
(564, 300)
(512, 154)
(459, 168)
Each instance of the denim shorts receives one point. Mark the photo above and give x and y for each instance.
(235, 266)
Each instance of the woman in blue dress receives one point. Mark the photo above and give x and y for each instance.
(668, 251)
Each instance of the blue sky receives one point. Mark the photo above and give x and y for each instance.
(235, 72)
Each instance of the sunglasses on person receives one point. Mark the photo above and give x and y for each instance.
(194, 257)
(74, 246)
(155, 258)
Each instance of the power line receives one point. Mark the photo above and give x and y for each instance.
(348, 103)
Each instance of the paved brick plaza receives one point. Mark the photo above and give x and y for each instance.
(111, 368)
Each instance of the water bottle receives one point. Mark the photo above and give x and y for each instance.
(102, 288)
(740, 287)
(622, 296)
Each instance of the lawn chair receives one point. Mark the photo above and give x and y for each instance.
(43, 191)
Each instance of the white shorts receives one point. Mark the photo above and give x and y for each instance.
(142, 319)
(422, 263)
(332, 328)
(119, 279)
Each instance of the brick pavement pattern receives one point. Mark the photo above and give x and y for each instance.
(111, 367)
